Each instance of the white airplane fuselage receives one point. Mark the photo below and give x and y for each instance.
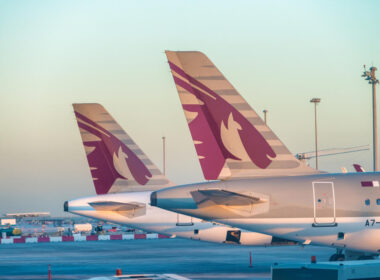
(154, 219)
(339, 210)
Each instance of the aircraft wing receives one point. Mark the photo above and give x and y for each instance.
(223, 197)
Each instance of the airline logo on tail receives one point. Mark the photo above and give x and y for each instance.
(235, 136)
(109, 158)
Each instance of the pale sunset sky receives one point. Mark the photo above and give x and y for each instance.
(277, 54)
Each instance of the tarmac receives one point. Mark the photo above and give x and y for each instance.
(191, 259)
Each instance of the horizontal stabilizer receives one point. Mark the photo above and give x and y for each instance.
(223, 197)
(131, 209)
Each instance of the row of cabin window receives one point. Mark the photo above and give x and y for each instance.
(368, 202)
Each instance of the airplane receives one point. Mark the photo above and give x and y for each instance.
(124, 178)
(260, 185)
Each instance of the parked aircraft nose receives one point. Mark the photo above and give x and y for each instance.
(66, 206)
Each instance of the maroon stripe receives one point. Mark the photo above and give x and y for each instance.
(184, 85)
(367, 184)
(66, 238)
(116, 237)
(198, 94)
(187, 86)
(19, 240)
(140, 236)
(182, 73)
(43, 239)
(91, 238)
(88, 121)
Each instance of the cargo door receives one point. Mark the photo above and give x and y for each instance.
(324, 204)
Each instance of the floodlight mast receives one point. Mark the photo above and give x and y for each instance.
(316, 100)
(370, 76)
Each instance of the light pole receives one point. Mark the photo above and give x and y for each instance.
(371, 78)
(316, 101)
(164, 154)
(265, 115)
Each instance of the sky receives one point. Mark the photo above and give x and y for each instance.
(277, 54)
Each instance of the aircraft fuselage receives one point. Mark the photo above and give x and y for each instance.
(154, 219)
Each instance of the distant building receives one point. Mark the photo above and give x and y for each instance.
(28, 215)
(5, 221)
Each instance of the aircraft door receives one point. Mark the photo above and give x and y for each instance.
(324, 204)
(183, 220)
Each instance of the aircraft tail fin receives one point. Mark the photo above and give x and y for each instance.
(358, 168)
(231, 140)
(116, 163)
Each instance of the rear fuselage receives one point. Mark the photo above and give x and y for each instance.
(341, 210)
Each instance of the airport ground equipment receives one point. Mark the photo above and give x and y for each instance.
(8, 230)
(349, 270)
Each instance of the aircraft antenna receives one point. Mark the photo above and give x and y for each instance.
(265, 111)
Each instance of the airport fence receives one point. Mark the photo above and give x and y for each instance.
(81, 238)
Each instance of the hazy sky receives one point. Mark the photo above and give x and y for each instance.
(278, 54)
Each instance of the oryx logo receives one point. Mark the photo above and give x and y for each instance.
(109, 158)
(235, 137)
